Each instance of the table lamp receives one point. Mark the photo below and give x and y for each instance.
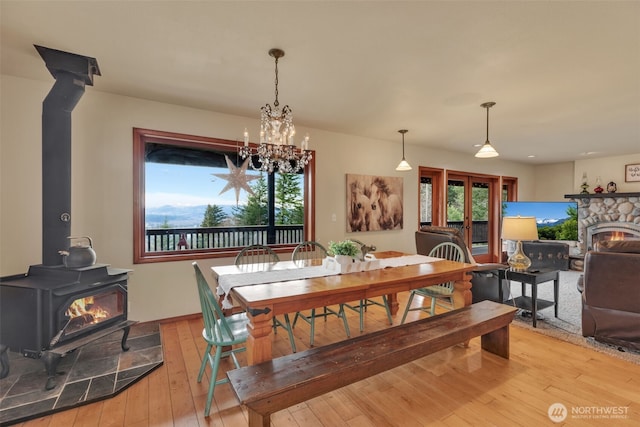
(519, 228)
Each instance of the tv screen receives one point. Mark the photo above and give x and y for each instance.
(556, 220)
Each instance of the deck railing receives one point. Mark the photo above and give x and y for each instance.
(171, 239)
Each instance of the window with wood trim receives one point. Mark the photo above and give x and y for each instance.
(430, 197)
(194, 197)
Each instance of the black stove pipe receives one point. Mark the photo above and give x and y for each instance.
(72, 72)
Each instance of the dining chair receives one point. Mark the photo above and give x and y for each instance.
(219, 331)
(442, 291)
(362, 305)
(306, 251)
(302, 253)
(255, 258)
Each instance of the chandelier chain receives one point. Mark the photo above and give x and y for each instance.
(276, 103)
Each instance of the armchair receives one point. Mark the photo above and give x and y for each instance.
(610, 293)
(484, 281)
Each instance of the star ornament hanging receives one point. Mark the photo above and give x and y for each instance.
(237, 178)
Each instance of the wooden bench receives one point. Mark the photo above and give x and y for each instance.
(280, 383)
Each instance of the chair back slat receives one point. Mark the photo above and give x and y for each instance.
(308, 250)
(449, 251)
(256, 258)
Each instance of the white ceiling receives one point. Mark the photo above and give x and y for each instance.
(565, 74)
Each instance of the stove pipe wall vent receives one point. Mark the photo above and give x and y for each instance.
(72, 72)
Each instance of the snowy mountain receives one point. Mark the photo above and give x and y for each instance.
(549, 222)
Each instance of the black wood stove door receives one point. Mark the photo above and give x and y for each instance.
(82, 313)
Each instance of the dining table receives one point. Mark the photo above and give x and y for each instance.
(288, 287)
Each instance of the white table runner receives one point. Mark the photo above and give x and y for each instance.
(226, 282)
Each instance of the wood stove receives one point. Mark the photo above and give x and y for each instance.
(53, 310)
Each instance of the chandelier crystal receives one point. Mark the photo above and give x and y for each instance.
(277, 149)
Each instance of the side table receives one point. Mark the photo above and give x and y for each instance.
(533, 278)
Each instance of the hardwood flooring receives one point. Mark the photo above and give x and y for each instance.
(455, 387)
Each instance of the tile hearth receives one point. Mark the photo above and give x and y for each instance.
(96, 371)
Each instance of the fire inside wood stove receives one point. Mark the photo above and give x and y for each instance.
(94, 309)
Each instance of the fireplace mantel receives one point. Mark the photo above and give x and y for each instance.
(600, 195)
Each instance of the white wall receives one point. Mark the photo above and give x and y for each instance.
(608, 169)
(553, 181)
(102, 190)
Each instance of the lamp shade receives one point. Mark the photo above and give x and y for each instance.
(403, 166)
(519, 228)
(487, 151)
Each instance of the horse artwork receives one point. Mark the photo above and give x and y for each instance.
(374, 203)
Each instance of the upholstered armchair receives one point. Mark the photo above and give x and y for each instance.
(611, 293)
(484, 281)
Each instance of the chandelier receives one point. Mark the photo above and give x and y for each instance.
(277, 150)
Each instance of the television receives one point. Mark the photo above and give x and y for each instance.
(556, 220)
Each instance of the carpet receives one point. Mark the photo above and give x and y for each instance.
(568, 325)
(96, 371)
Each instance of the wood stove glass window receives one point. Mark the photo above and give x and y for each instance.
(194, 197)
(86, 312)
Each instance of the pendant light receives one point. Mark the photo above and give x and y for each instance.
(403, 166)
(487, 150)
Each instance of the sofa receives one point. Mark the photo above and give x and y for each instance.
(610, 287)
(484, 280)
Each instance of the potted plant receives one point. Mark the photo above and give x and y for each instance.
(344, 251)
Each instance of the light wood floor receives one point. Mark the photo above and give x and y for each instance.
(455, 387)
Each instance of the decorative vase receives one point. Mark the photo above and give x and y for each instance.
(344, 259)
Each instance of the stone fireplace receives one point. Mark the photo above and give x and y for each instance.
(606, 216)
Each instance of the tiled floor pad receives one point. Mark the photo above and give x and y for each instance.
(93, 372)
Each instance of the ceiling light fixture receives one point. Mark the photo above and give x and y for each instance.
(277, 150)
(403, 166)
(487, 149)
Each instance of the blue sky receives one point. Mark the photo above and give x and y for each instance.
(540, 210)
(178, 185)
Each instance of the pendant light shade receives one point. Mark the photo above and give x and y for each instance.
(403, 166)
(487, 150)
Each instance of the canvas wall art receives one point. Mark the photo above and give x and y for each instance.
(374, 203)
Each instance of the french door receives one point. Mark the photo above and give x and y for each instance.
(473, 208)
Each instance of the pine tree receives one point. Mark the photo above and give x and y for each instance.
(289, 203)
(255, 211)
(213, 216)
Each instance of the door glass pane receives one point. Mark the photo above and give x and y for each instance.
(426, 201)
(480, 217)
(455, 204)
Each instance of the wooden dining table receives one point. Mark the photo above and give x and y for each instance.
(264, 301)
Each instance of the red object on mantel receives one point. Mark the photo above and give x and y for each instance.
(598, 189)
